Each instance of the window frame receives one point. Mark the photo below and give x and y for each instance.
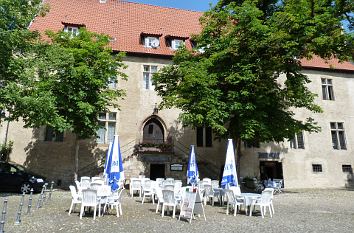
(338, 134)
(148, 41)
(174, 43)
(147, 80)
(317, 168)
(327, 89)
(347, 168)
(56, 136)
(106, 121)
(74, 30)
(294, 142)
(204, 136)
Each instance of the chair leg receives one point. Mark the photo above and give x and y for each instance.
(153, 198)
(235, 209)
(174, 211)
(272, 207)
(120, 209)
(157, 206)
(163, 210)
(261, 207)
(81, 211)
(142, 202)
(94, 212)
(71, 206)
(270, 211)
(227, 209)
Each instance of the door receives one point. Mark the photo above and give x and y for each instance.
(271, 170)
(157, 171)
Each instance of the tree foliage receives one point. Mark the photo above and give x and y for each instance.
(64, 83)
(245, 81)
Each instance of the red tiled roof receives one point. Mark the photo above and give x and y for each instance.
(125, 22)
(317, 62)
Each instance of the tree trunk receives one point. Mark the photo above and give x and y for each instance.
(238, 155)
(77, 147)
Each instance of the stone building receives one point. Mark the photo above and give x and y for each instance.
(153, 142)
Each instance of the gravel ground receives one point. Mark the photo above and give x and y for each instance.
(295, 211)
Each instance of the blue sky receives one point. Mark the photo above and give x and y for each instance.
(196, 5)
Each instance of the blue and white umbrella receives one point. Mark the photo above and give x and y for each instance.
(229, 176)
(192, 170)
(114, 169)
(106, 162)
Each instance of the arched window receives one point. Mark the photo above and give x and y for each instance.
(153, 132)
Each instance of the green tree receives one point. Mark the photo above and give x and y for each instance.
(64, 83)
(244, 79)
(15, 17)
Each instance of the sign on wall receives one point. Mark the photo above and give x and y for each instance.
(176, 167)
(271, 155)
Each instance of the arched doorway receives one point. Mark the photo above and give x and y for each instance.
(153, 132)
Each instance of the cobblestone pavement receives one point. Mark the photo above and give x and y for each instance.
(295, 211)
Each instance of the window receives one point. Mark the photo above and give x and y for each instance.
(52, 135)
(74, 31)
(107, 122)
(327, 89)
(147, 75)
(151, 42)
(112, 83)
(298, 141)
(347, 168)
(175, 43)
(338, 136)
(204, 137)
(317, 168)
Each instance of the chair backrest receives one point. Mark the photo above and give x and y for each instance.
(96, 178)
(78, 185)
(236, 190)
(215, 184)
(208, 190)
(95, 185)
(168, 181)
(170, 187)
(267, 196)
(85, 178)
(207, 181)
(85, 182)
(159, 194)
(168, 196)
(135, 184)
(73, 191)
(89, 197)
(147, 185)
(230, 195)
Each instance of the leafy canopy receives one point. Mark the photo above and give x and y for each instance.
(64, 84)
(245, 80)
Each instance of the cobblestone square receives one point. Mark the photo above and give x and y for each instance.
(295, 211)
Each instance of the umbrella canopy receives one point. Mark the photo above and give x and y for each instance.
(229, 176)
(106, 162)
(114, 168)
(192, 170)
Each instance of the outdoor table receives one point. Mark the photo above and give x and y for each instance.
(249, 199)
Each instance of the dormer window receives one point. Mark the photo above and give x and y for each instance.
(176, 43)
(72, 30)
(151, 42)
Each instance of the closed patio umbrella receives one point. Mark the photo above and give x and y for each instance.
(192, 169)
(114, 169)
(229, 176)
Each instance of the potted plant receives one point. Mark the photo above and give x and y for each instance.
(5, 150)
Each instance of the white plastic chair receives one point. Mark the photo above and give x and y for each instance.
(168, 201)
(135, 185)
(159, 195)
(89, 199)
(115, 201)
(85, 182)
(206, 181)
(95, 185)
(237, 193)
(75, 198)
(232, 200)
(215, 184)
(78, 187)
(208, 194)
(263, 202)
(147, 189)
(96, 178)
(160, 181)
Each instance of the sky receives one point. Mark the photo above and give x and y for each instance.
(195, 5)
